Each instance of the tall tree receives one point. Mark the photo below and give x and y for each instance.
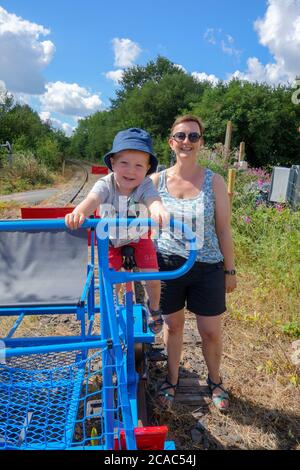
(264, 117)
(135, 77)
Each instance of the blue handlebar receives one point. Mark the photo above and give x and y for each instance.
(102, 226)
(128, 276)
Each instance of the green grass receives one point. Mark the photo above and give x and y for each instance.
(267, 248)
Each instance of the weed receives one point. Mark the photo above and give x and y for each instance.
(291, 329)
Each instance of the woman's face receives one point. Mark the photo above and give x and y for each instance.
(185, 149)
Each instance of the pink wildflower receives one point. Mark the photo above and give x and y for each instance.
(279, 207)
(260, 182)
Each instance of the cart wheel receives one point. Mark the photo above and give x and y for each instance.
(141, 369)
(139, 291)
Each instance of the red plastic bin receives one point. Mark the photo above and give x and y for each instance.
(99, 170)
(45, 212)
(147, 438)
(49, 213)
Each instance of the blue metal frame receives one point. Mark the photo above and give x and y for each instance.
(116, 336)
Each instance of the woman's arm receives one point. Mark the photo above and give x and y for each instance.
(223, 228)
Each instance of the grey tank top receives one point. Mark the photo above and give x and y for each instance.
(199, 214)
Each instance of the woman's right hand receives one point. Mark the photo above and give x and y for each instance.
(74, 220)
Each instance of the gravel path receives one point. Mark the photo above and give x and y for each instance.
(30, 197)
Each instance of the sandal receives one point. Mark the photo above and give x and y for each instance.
(155, 325)
(166, 385)
(221, 401)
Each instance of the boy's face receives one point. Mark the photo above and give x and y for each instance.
(130, 168)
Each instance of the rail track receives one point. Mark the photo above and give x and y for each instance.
(84, 181)
(78, 187)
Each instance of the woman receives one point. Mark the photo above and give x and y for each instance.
(199, 196)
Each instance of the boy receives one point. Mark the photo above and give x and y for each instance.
(130, 160)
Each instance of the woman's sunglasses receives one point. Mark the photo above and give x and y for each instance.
(192, 136)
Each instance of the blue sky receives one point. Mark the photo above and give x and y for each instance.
(49, 46)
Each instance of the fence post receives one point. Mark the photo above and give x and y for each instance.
(227, 144)
(230, 185)
(242, 152)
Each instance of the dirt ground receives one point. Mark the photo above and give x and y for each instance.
(264, 410)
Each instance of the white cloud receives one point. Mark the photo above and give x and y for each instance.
(45, 116)
(209, 36)
(228, 48)
(23, 98)
(2, 91)
(256, 72)
(204, 77)
(279, 31)
(68, 130)
(23, 54)
(2, 87)
(180, 67)
(217, 37)
(64, 126)
(115, 75)
(70, 99)
(126, 52)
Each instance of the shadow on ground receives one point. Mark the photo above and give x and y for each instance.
(194, 423)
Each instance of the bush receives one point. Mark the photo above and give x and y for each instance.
(48, 153)
(25, 173)
(267, 247)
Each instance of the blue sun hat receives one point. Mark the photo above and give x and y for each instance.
(133, 139)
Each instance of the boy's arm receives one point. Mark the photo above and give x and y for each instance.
(83, 210)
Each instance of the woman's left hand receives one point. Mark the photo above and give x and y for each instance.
(230, 283)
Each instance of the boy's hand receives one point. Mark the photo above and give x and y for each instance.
(159, 214)
(74, 220)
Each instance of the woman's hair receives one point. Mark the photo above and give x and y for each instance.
(186, 118)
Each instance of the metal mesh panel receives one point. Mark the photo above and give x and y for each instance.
(46, 405)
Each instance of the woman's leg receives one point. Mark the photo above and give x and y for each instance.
(173, 339)
(211, 335)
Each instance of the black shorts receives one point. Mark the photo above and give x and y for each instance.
(201, 290)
